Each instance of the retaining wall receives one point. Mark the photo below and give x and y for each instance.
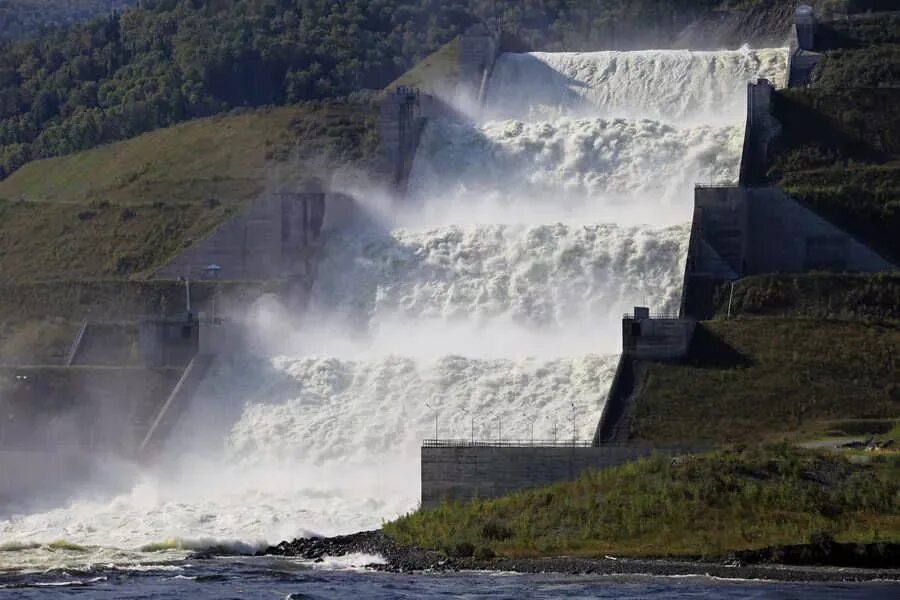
(741, 231)
(464, 473)
(803, 58)
(656, 339)
(87, 408)
(107, 344)
(264, 242)
(399, 125)
(761, 131)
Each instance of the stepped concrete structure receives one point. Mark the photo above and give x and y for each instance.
(803, 56)
(742, 231)
(645, 337)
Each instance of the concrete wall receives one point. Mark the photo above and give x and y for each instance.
(109, 344)
(261, 243)
(612, 427)
(761, 131)
(399, 125)
(168, 342)
(220, 337)
(803, 58)
(656, 339)
(176, 403)
(741, 231)
(82, 407)
(464, 473)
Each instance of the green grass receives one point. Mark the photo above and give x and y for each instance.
(441, 68)
(53, 241)
(124, 210)
(770, 379)
(813, 295)
(694, 506)
(839, 150)
(230, 158)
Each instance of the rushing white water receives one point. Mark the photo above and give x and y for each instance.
(490, 302)
(576, 170)
(678, 86)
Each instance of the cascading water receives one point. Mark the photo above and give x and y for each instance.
(494, 292)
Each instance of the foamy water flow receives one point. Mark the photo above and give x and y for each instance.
(495, 291)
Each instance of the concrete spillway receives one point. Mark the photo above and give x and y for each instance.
(490, 300)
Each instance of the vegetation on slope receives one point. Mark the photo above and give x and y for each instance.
(123, 210)
(840, 153)
(692, 506)
(770, 379)
(840, 147)
(812, 295)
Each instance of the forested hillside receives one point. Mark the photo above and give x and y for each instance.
(19, 18)
(166, 61)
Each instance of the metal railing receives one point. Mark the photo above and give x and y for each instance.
(667, 315)
(507, 444)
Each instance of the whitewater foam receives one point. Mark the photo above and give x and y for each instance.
(588, 170)
(680, 86)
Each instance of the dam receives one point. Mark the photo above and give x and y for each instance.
(485, 303)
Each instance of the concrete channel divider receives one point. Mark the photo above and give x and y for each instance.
(175, 404)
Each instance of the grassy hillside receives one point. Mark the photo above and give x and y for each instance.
(124, 209)
(229, 158)
(441, 68)
(812, 295)
(770, 379)
(693, 506)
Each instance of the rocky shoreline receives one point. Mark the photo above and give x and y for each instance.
(755, 565)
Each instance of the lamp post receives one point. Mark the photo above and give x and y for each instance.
(435, 421)
(532, 431)
(472, 417)
(574, 430)
(499, 429)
